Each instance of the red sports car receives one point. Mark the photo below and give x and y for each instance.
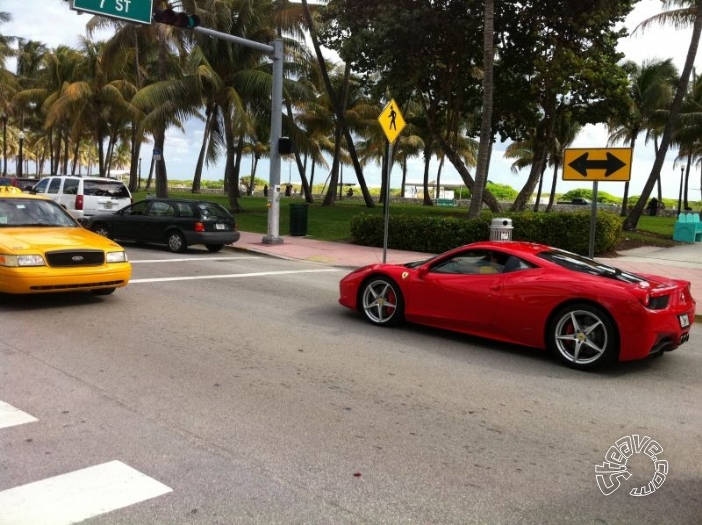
(585, 312)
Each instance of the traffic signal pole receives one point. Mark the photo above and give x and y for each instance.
(275, 51)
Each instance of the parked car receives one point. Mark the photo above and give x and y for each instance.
(26, 183)
(84, 196)
(585, 312)
(177, 223)
(8, 181)
(43, 249)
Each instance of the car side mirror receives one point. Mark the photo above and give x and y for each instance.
(422, 271)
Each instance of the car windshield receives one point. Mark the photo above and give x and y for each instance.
(577, 263)
(33, 212)
(213, 210)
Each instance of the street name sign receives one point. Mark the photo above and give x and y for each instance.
(595, 164)
(138, 11)
(391, 121)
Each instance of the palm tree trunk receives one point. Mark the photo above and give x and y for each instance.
(476, 201)
(160, 135)
(203, 148)
(552, 196)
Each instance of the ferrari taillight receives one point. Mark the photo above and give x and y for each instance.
(79, 202)
(646, 299)
(199, 227)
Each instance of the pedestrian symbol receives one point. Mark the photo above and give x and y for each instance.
(391, 121)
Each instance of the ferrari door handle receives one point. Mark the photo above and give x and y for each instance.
(496, 287)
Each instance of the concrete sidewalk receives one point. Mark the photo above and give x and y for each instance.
(679, 262)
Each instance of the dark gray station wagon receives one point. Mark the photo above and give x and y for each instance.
(177, 223)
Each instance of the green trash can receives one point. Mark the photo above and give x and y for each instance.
(298, 219)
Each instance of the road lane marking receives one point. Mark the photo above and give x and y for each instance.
(194, 259)
(228, 276)
(78, 495)
(11, 416)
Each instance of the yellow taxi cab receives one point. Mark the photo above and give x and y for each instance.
(43, 249)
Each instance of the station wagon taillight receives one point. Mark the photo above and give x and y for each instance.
(199, 227)
(79, 202)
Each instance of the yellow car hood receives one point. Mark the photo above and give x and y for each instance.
(33, 240)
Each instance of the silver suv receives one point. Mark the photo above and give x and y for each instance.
(84, 196)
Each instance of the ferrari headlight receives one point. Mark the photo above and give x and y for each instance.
(21, 260)
(116, 257)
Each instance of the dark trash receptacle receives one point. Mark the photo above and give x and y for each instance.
(298, 219)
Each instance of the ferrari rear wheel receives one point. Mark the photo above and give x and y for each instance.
(583, 336)
(382, 302)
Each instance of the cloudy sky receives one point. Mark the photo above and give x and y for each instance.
(55, 24)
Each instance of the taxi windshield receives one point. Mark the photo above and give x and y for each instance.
(19, 212)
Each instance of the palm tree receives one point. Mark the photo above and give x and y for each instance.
(337, 105)
(689, 13)
(650, 90)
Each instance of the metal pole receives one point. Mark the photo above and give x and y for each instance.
(682, 170)
(3, 117)
(386, 200)
(273, 235)
(593, 220)
(275, 51)
(19, 164)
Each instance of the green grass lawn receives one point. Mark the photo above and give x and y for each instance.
(331, 223)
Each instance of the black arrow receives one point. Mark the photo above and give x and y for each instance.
(611, 165)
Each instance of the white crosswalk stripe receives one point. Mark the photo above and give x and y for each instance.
(74, 496)
(77, 496)
(11, 416)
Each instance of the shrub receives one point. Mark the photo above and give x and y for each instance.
(569, 231)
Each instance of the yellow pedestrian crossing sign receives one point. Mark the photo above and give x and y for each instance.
(391, 121)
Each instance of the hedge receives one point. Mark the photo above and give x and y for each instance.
(567, 230)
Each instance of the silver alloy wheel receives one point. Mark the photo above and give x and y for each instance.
(582, 337)
(101, 229)
(176, 242)
(380, 301)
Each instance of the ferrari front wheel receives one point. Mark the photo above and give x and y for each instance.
(382, 302)
(583, 336)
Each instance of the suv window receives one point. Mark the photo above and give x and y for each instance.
(70, 187)
(40, 187)
(54, 186)
(105, 189)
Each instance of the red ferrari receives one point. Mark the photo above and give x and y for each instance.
(585, 312)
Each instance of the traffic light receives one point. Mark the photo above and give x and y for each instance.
(177, 19)
(286, 146)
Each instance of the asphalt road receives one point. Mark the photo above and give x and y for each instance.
(239, 387)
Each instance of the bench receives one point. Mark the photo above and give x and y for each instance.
(688, 228)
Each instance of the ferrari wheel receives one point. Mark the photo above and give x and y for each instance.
(583, 336)
(381, 302)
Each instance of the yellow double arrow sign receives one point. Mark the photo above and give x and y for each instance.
(613, 164)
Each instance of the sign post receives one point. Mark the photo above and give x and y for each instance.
(138, 11)
(392, 123)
